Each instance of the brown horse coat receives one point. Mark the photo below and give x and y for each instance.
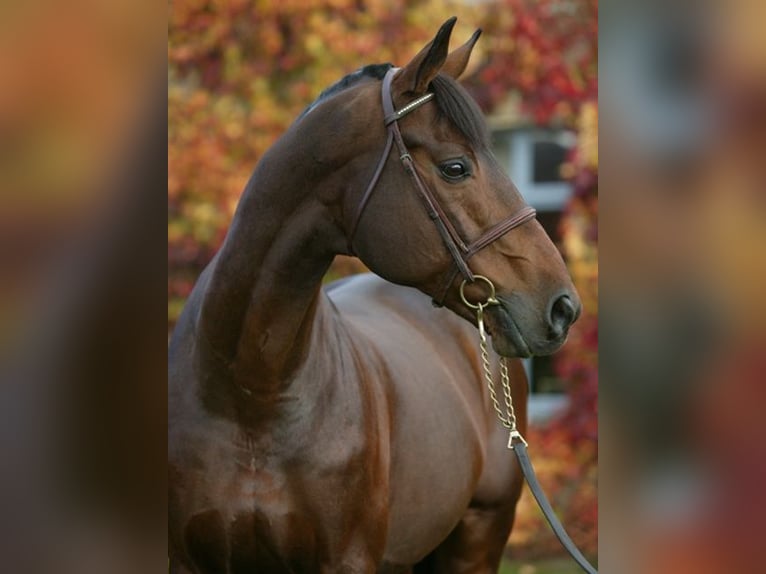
(349, 430)
(380, 447)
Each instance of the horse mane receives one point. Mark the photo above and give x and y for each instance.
(452, 101)
(372, 71)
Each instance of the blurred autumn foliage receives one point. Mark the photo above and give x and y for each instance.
(240, 71)
(566, 449)
(546, 50)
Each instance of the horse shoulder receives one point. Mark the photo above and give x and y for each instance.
(436, 408)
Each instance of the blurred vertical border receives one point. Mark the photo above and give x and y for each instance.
(682, 308)
(83, 176)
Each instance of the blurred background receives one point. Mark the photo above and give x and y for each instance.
(86, 305)
(241, 71)
(83, 330)
(683, 270)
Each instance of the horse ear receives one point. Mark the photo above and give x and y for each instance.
(415, 76)
(457, 60)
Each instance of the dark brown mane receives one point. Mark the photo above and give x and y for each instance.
(452, 100)
(374, 71)
(459, 108)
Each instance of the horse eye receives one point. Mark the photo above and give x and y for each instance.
(454, 170)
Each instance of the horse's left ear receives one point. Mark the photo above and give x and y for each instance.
(457, 60)
(415, 76)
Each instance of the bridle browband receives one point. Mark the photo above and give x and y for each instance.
(460, 250)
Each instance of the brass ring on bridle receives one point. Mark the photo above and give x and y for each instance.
(491, 300)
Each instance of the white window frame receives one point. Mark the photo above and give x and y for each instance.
(515, 152)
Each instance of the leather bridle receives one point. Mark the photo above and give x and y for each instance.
(460, 250)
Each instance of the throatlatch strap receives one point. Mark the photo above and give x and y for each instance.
(370, 189)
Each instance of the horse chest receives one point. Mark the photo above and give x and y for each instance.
(269, 506)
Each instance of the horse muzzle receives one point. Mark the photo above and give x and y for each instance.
(516, 333)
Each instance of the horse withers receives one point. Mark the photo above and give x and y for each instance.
(347, 429)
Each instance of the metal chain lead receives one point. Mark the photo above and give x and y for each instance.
(507, 418)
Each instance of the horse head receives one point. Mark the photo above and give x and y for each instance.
(438, 208)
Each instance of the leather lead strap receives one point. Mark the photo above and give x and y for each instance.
(534, 485)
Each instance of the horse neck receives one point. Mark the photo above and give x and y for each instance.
(262, 304)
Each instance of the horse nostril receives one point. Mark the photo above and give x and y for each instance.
(563, 314)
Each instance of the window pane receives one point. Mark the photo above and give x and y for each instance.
(546, 380)
(548, 157)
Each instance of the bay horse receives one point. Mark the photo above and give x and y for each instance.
(347, 429)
